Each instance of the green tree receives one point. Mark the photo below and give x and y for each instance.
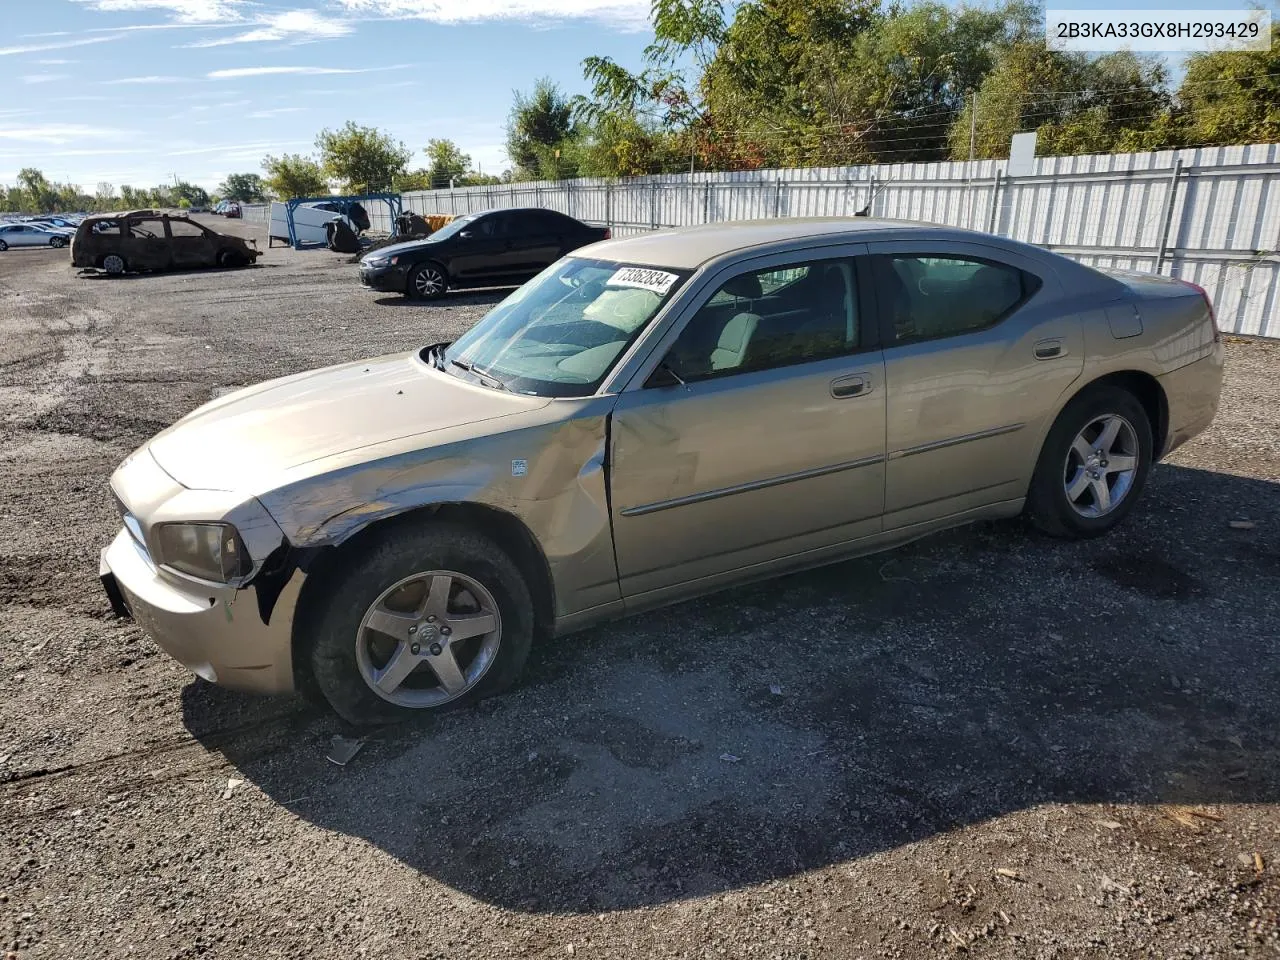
(38, 195)
(445, 162)
(1232, 97)
(1092, 105)
(195, 196)
(242, 187)
(419, 179)
(292, 175)
(364, 159)
(105, 197)
(541, 131)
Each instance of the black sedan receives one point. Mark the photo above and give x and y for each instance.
(493, 248)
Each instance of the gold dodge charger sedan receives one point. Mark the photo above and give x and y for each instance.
(648, 419)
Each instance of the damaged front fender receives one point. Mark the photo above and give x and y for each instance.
(550, 476)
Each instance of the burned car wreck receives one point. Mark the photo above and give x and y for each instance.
(155, 240)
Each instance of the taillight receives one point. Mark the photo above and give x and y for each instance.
(608, 234)
(1213, 317)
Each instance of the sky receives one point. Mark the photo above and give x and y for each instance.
(140, 91)
(136, 91)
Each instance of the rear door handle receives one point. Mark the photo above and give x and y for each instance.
(1050, 349)
(854, 385)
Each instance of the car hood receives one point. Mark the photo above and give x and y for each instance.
(409, 246)
(240, 439)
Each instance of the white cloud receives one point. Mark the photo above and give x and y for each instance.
(185, 11)
(301, 71)
(42, 77)
(149, 79)
(294, 25)
(59, 133)
(267, 114)
(98, 152)
(625, 14)
(253, 149)
(61, 45)
(55, 63)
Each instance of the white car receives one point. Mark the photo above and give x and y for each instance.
(32, 235)
(310, 220)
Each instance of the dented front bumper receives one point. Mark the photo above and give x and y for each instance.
(220, 633)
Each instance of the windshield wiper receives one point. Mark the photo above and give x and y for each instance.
(488, 379)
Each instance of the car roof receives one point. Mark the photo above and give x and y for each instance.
(482, 213)
(118, 214)
(687, 248)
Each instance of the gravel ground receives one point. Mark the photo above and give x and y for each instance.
(987, 742)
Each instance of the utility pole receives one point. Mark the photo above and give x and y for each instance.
(693, 147)
(973, 123)
(973, 143)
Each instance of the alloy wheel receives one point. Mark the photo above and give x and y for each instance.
(428, 282)
(428, 639)
(1101, 466)
(113, 263)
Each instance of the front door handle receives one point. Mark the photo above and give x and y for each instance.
(1050, 349)
(854, 385)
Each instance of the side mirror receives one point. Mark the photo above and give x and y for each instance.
(465, 234)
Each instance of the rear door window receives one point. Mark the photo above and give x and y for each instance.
(926, 296)
(148, 229)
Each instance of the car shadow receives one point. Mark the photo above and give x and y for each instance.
(829, 715)
(92, 274)
(466, 297)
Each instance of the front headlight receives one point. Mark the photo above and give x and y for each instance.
(210, 551)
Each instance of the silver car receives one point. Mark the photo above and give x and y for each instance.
(32, 235)
(647, 420)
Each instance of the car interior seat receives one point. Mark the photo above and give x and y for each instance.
(735, 336)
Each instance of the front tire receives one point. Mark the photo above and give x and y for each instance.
(427, 281)
(1093, 465)
(57, 242)
(427, 619)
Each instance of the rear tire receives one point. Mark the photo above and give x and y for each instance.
(3, 246)
(114, 264)
(57, 242)
(396, 574)
(1093, 465)
(427, 281)
(229, 258)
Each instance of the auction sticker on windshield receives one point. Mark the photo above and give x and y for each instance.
(659, 281)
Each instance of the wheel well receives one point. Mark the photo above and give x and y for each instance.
(326, 564)
(1150, 394)
(431, 263)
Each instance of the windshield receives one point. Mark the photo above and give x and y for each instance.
(452, 227)
(559, 334)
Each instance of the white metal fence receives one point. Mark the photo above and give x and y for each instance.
(1209, 215)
